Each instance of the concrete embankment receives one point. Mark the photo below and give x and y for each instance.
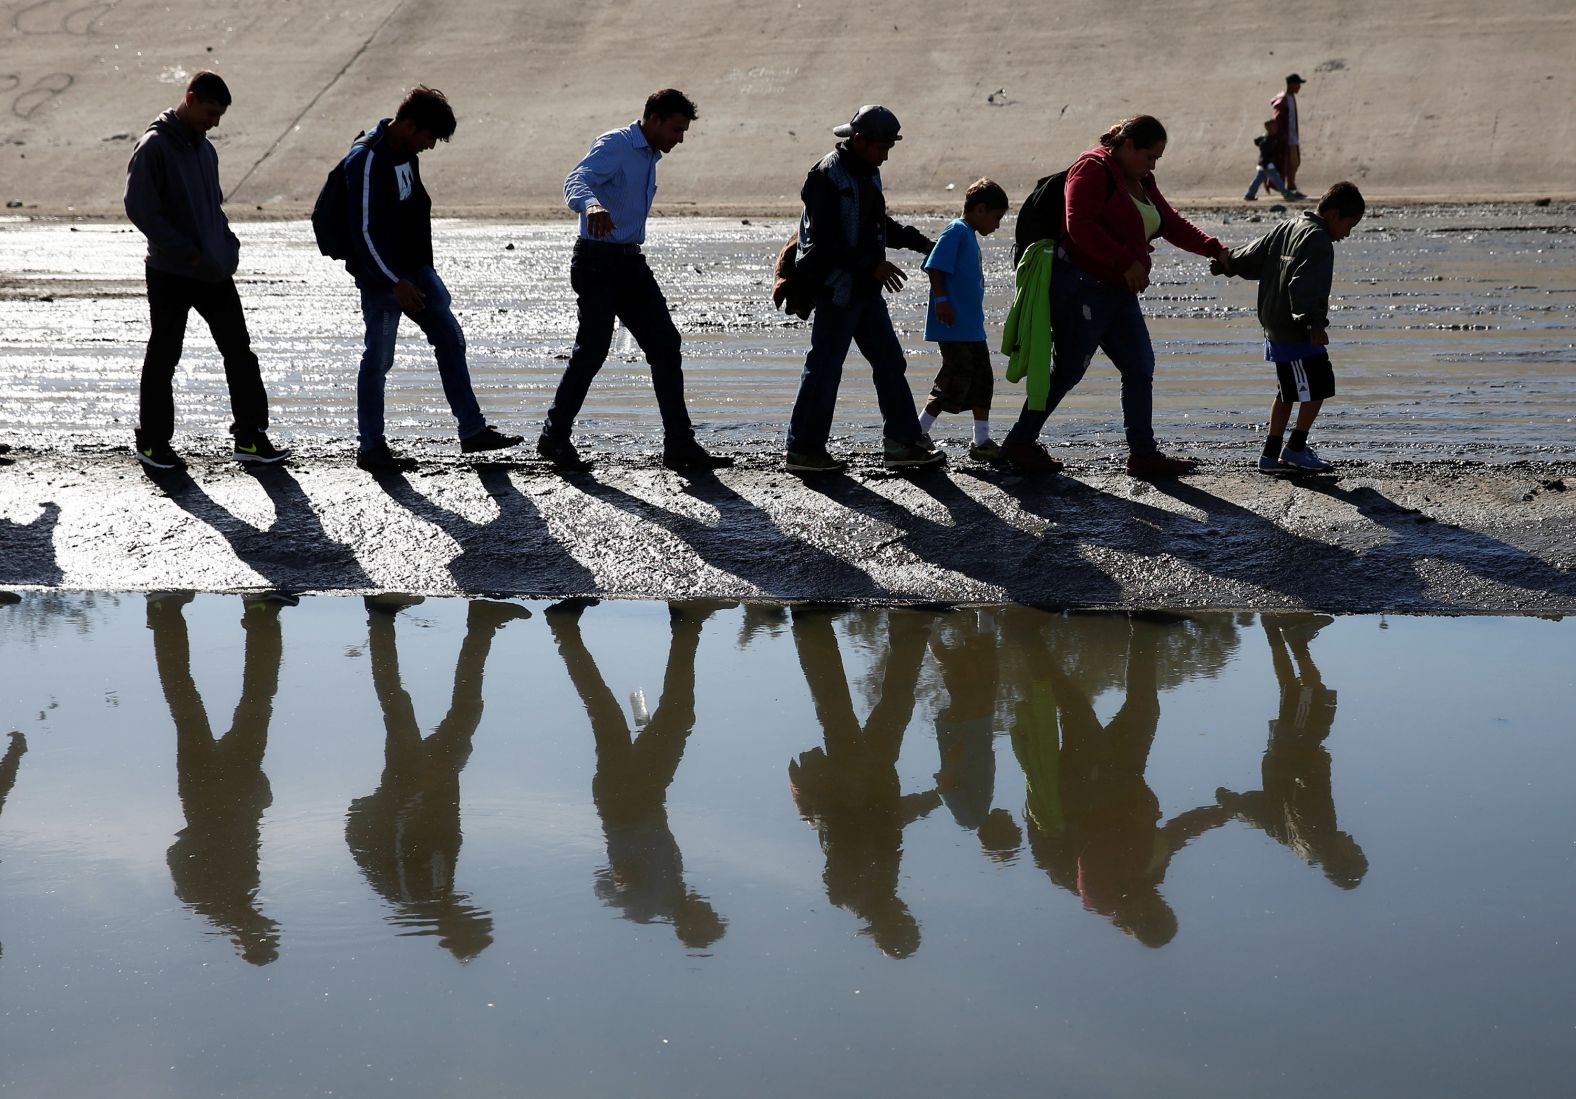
(1439, 537)
(1454, 100)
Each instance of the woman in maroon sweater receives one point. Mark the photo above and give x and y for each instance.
(1114, 209)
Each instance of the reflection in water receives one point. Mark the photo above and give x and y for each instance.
(577, 975)
(16, 748)
(1296, 806)
(965, 730)
(9, 765)
(850, 790)
(223, 790)
(1094, 823)
(406, 835)
(644, 876)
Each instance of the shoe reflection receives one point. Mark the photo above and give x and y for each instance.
(1094, 825)
(850, 790)
(644, 876)
(1297, 806)
(223, 790)
(405, 836)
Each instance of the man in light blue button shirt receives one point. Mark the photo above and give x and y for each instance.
(612, 189)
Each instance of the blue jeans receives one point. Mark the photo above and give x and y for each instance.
(382, 313)
(1266, 171)
(614, 282)
(866, 323)
(1089, 316)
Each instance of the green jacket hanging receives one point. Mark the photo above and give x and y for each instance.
(1026, 337)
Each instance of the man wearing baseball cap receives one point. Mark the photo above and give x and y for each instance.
(843, 237)
(1285, 108)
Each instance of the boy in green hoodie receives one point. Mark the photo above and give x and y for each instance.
(1294, 264)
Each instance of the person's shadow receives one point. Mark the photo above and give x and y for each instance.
(293, 553)
(978, 543)
(1418, 538)
(27, 550)
(966, 731)
(1094, 825)
(644, 876)
(1296, 807)
(405, 835)
(501, 553)
(223, 790)
(849, 790)
(747, 542)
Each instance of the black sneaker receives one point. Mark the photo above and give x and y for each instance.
(563, 455)
(489, 439)
(380, 459)
(690, 455)
(817, 461)
(159, 456)
(920, 454)
(256, 448)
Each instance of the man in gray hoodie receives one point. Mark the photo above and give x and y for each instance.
(173, 197)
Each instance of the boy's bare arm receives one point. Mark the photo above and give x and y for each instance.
(938, 294)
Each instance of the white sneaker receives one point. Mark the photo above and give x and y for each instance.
(1304, 460)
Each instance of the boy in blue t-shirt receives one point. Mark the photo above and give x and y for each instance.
(956, 319)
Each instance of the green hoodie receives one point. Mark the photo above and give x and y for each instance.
(1026, 337)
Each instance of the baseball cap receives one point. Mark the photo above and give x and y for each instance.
(873, 121)
(1295, 79)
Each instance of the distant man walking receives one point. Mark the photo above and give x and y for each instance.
(843, 237)
(1284, 107)
(612, 189)
(173, 197)
(390, 245)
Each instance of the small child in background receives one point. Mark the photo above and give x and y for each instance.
(1269, 178)
(956, 319)
(1294, 264)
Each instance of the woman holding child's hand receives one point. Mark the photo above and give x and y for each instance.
(1114, 209)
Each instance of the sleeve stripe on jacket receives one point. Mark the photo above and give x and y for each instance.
(366, 219)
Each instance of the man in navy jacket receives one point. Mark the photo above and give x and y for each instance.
(391, 259)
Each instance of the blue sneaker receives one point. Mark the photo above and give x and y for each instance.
(1304, 461)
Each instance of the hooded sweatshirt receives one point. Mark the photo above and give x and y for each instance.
(173, 197)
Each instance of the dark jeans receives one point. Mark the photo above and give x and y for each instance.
(613, 282)
(1089, 316)
(382, 313)
(171, 298)
(866, 323)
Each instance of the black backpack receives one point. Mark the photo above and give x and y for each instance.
(1043, 214)
(331, 211)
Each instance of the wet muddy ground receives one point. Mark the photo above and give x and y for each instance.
(1455, 346)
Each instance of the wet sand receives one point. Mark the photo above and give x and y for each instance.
(1436, 537)
(1453, 425)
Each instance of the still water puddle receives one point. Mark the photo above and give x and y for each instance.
(641, 849)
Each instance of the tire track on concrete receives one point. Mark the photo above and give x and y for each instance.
(313, 102)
